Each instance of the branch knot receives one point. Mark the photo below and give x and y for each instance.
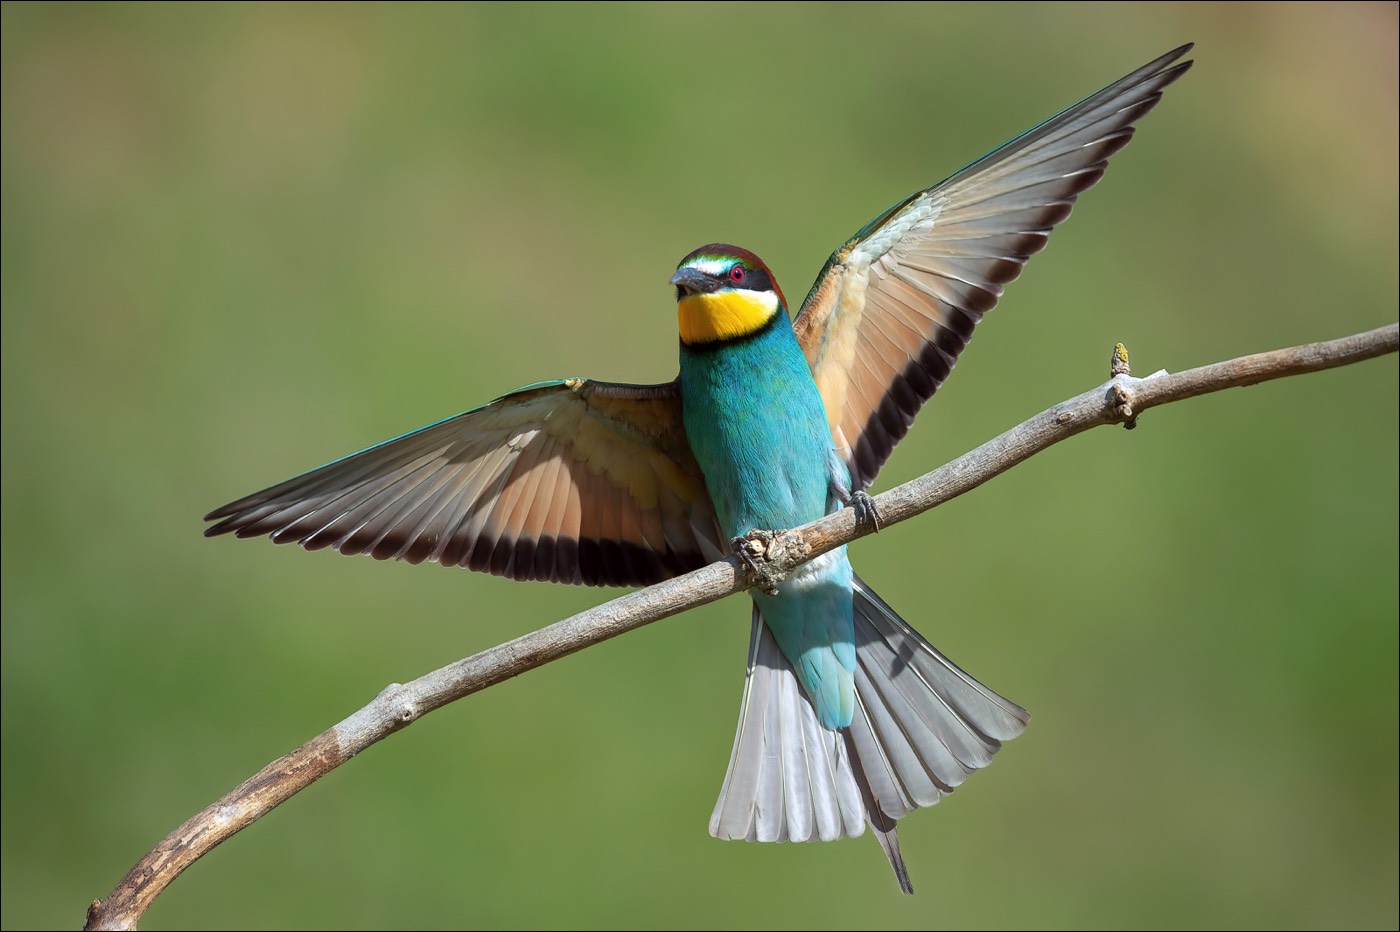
(1122, 401)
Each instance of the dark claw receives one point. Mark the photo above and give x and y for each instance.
(762, 578)
(740, 545)
(866, 512)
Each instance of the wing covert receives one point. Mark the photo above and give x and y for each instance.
(894, 307)
(573, 481)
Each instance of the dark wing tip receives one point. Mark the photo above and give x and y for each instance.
(236, 514)
(223, 511)
(228, 517)
(548, 559)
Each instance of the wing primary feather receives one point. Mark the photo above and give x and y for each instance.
(500, 528)
(939, 260)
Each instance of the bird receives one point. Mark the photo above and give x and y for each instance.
(849, 717)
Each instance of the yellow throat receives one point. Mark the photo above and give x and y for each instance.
(724, 315)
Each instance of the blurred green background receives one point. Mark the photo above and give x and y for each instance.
(239, 241)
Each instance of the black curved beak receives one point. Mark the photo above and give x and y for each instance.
(692, 281)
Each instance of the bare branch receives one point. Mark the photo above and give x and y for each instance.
(1119, 401)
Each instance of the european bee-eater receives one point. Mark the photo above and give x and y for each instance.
(849, 716)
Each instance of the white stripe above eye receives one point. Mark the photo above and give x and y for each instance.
(708, 265)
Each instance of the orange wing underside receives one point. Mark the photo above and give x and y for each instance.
(896, 305)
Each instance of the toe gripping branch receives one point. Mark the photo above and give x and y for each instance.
(866, 512)
(759, 550)
(840, 487)
(753, 550)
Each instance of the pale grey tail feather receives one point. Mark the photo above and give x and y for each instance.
(882, 825)
(921, 726)
(789, 779)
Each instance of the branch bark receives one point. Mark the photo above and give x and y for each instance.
(1118, 401)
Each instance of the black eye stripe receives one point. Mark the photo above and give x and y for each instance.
(754, 280)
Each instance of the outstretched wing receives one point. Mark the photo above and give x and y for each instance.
(572, 481)
(885, 321)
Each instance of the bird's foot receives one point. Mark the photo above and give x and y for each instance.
(753, 551)
(866, 512)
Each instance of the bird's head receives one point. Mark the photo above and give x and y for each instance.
(724, 293)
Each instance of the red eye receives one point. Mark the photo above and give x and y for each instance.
(736, 274)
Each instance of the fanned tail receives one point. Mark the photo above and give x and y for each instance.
(922, 725)
(789, 779)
